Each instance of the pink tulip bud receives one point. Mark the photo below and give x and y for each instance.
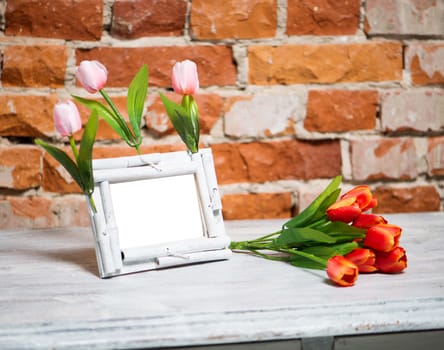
(185, 78)
(67, 118)
(92, 75)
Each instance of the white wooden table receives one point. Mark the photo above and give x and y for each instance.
(52, 298)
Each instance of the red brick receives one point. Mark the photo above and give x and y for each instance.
(278, 160)
(158, 123)
(232, 19)
(257, 206)
(123, 63)
(426, 63)
(154, 18)
(42, 212)
(70, 20)
(322, 17)
(341, 110)
(20, 167)
(27, 116)
(34, 66)
(435, 156)
(406, 199)
(404, 17)
(325, 63)
(385, 158)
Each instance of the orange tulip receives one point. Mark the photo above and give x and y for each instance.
(366, 221)
(394, 261)
(363, 258)
(383, 237)
(363, 197)
(345, 210)
(342, 271)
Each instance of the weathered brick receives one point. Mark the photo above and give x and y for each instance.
(20, 167)
(324, 17)
(416, 110)
(435, 156)
(34, 66)
(28, 116)
(256, 206)
(406, 199)
(154, 18)
(158, 123)
(277, 160)
(325, 63)
(341, 110)
(70, 20)
(262, 115)
(123, 63)
(41, 212)
(232, 19)
(416, 17)
(425, 63)
(385, 158)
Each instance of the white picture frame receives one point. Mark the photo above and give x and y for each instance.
(156, 211)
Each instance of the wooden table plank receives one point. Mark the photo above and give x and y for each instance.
(51, 295)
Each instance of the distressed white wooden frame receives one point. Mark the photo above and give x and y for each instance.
(211, 245)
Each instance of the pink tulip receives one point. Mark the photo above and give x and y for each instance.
(185, 78)
(67, 118)
(92, 75)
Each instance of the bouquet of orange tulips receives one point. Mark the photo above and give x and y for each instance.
(336, 234)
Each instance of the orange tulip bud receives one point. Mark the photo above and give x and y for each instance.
(383, 237)
(362, 194)
(342, 271)
(366, 221)
(363, 258)
(344, 210)
(373, 203)
(394, 261)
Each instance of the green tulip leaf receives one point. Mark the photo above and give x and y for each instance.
(297, 236)
(305, 263)
(84, 159)
(64, 160)
(329, 251)
(137, 92)
(190, 105)
(182, 122)
(313, 211)
(114, 121)
(338, 228)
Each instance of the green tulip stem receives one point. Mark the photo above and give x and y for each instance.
(312, 257)
(92, 203)
(74, 147)
(111, 103)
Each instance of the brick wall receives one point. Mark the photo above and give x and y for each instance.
(293, 93)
